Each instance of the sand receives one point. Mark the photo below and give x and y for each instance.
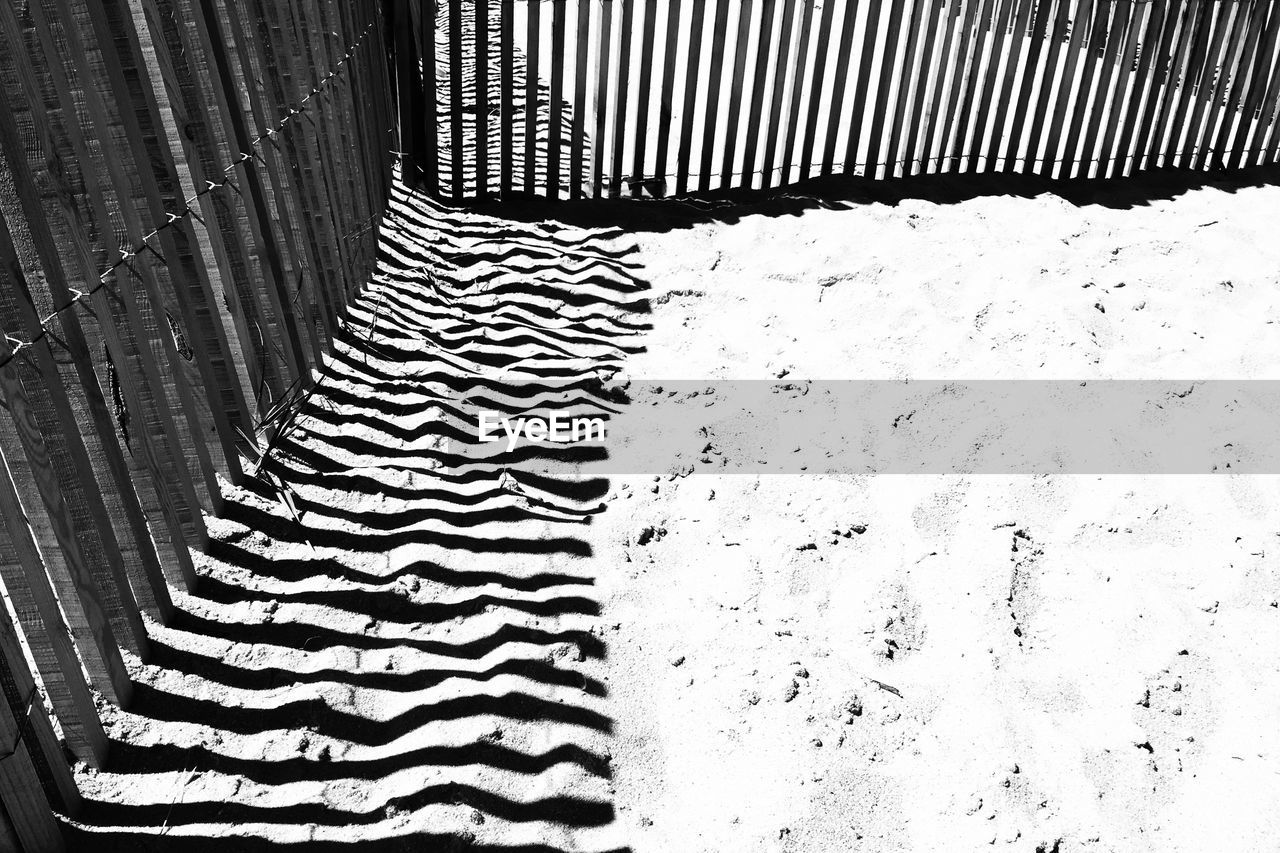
(1054, 663)
(805, 663)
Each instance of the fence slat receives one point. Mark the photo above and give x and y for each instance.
(56, 533)
(1139, 16)
(861, 87)
(936, 128)
(648, 28)
(1241, 87)
(908, 78)
(839, 82)
(50, 640)
(40, 399)
(616, 165)
(883, 109)
(1099, 38)
(482, 99)
(509, 105)
(554, 128)
(133, 548)
(578, 142)
(790, 154)
(715, 76)
(1253, 118)
(1206, 91)
(26, 807)
(1196, 45)
(777, 98)
(1062, 88)
(1226, 91)
(755, 114)
(999, 25)
(671, 55)
(22, 696)
(916, 147)
(531, 110)
(736, 104)
(691, 86)
(603, 69)
(1161, 87)
(457, 142)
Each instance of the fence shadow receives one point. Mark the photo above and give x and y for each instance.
(839, 191)
(393, 641)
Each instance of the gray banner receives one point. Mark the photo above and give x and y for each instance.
(884, 427)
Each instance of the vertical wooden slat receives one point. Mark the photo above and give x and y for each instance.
(1000, 124)
(1069, 82)
(482, 99)
(52, 648)
(959, 109)
(1196, 45)
(772, 124)
(603, 73)
(1004, 15)
(39, 399)
(1161, 23)
(839, 82)
(890, 70)
(670, 57)
(791, 155)
(736, 105)
(1269, 119)
(457, 144)
(1139, 33)
(138, 557)
(22, 696)
(774, 134)
(26, 805)
(426, 103)
(315, 311)
(531, 111)
(916, 149)
(262, 233)
(715, 74)
(907, 79)
(616, 165)
(861, 89)
(648, 28)
(936, 129)
(556, 96)
(410, 129)
(1233, 134)
(1094, 42)
(756, 112)
(56, 532)
(303, 23)
(224, 406)
(1224, 96)
(509, 106)
(1041, 27)
(1206, 90)
(1252, 117)
(1047, 91)
(692, 83)
(578, 142)
(1174, 33)
(146, 400)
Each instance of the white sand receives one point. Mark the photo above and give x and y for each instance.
(1137, 709)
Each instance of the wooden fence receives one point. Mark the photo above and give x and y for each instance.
(592, 98)
(190, 190)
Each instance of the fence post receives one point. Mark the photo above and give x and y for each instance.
(25, 804)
